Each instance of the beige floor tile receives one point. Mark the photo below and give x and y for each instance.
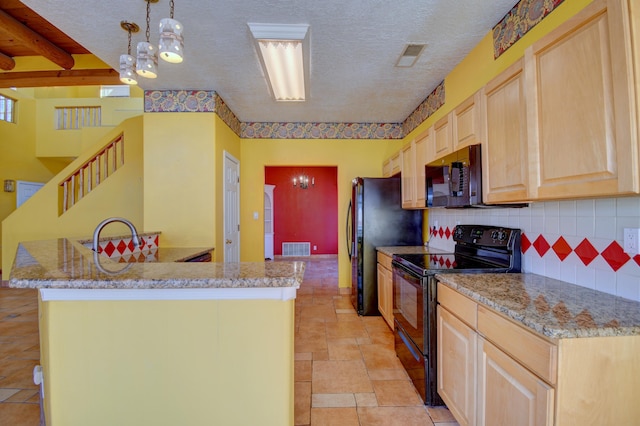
(393, 416)
(366, 400)
(343, 329)
(440, 414)
(303, 356)
(302, 403)
(334, 417)
(302, 371)
(344, 351)
(321, 356)
(328, 400)
(388, 374)
(396, 393)
(340, 377)
(19, 414)
(380, 357)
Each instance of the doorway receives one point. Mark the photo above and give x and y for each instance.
(231, 208)
(304, 214)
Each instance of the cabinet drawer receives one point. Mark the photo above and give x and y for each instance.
(384, 260)
(461, 306)
(533, 352)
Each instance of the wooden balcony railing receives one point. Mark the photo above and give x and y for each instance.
(77, 117)
(91, 173)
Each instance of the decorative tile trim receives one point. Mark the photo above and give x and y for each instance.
(430, 105)
(123, 247)
(613, 254)
(525, 15)
(321, 130)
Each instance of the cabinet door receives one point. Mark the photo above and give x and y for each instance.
(582, 135)
(457, 355)
(385, 294)
(467, 122)
(421, 145)
(509, 394)
(442, 137)
(504, 153)
(408, 176)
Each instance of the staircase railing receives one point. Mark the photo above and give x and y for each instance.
(91, 173)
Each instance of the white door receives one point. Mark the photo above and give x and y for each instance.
(25, 190)
(231, 208)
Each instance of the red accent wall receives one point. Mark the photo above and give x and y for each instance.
(305, 215)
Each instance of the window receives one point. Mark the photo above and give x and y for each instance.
(77, 117)
(119, 91)
(7, 109)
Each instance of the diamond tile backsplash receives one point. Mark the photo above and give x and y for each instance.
(124, 249)
(575, 241)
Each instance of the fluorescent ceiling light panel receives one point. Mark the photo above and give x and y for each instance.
(282, 52)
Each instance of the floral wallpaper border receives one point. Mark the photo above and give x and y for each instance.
(210, 101)
(525, 15)
(430, 105)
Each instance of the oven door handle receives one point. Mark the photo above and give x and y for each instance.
(409, 345)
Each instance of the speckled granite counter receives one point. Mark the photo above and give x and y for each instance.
(67, 264)
(553, 308)
(391, 250)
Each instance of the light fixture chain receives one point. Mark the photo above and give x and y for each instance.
(148, 33)
(129, 45)
(171, 9)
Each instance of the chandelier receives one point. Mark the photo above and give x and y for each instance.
(170, 47)
(302, 181)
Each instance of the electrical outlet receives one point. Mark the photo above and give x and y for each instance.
(315, 248)
(631, 241)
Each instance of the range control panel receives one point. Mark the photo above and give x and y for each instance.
(485, 235)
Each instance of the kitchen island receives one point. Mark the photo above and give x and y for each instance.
(524, 346)
(161, 342)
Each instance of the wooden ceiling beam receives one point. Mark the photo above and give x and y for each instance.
(38, 43)
(6, 62)
(94, 77)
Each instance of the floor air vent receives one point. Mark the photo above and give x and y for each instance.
(296, 249)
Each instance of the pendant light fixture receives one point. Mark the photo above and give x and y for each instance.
(171, 41)
(147, 53)
(128, 62)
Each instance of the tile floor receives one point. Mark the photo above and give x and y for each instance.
(346, 371)
(19, 353)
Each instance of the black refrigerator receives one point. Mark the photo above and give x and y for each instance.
(375, 218)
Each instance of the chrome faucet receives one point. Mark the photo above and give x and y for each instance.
(96, 233)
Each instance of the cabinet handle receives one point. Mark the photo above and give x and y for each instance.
(228, 242)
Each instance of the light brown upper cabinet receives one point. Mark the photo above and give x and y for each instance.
(414, 158)
(467, 122)
(391, 166)
(504, 153)
(442, 137)
(583, 137)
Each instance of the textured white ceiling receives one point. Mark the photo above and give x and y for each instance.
(354, 46)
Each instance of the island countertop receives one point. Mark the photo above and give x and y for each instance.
(66, 263)
(553, 308)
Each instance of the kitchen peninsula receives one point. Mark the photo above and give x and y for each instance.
(161, 342)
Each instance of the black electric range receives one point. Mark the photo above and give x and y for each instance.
(478, 249)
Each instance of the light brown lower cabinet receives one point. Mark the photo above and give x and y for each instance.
(493, 371)
(385, 288)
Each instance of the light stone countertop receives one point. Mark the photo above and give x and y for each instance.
(391, 250)
(553, 308)
(65, 263)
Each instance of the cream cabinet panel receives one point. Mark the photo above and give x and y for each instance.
(508, 394)
(408, 180)
(421, 146)
(457, 349)
(386, 168)
(504, 153)
(385, 288)
(391, 166)
(467, 122)
(442, 137)
(582, 129)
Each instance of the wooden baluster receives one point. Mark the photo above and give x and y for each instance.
(65, 196)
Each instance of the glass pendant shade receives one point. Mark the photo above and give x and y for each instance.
(147, 55)
(171, 41)
(128, 69)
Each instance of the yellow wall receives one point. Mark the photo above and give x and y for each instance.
(120, 195)
(132, 363)
(180, 178)
(353, 158)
